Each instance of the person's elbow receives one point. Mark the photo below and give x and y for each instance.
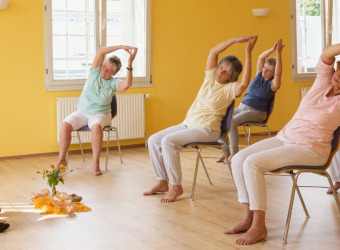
(124, 86)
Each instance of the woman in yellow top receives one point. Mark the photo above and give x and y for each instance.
(203, 120)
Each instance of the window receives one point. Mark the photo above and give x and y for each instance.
(315, 25)
(76, 29)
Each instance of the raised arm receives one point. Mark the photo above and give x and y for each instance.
(329, 53)
(100, 56)
(262, 58)
(276, 82)
(219, 48)
(124, 85)
(243, 84)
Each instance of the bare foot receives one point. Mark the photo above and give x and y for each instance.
(97, 171)
(229, 159)
(173, 193)
(253, 235)
(336, 187)
(220, 159)
(160, 187)
(242, 226)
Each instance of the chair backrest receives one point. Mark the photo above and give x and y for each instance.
(226, 121)
(270, 108)
(335, 146)
(114, 106)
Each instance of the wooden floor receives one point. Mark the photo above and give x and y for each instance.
(121, 218)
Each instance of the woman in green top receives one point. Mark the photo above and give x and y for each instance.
(94, 103)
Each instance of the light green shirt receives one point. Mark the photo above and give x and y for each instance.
(211, 103)
(97, 93)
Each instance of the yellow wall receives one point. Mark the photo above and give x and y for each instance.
(183, 31)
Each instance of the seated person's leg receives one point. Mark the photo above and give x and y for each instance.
(254, 168)
(156, 157)
(72, 122)
(238, 175)
(245, 114)
(171, 145)
(96, 124)
(225, 147)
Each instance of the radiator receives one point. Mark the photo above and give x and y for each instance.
(130, 118)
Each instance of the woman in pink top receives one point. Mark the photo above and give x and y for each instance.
(305, 140)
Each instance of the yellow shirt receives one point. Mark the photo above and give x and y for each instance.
(211, 103)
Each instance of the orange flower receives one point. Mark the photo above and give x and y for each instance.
(52, 166)
(46, 171)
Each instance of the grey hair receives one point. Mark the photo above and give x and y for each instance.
(235, 67)
(115, 61)
(271, 61)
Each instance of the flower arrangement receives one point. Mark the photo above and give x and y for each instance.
(55, 175)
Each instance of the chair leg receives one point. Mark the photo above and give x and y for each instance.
(81, 147)
(267, 130)
(118, 145)
(285, 235)
(195, 177)
(249, 133)
(300, 196)
(107, 148)
(332, 187)
(246, 134)
(231, 172)
(205, 169)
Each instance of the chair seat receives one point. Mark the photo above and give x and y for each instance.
(84, 128)
(191, 144)
(297, 167)
(252, 122)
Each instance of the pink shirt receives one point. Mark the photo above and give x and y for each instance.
(317, 117)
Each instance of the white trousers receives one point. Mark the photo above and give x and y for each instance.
(250, 164)
(334, 168)
(79, 119)
(165, 147)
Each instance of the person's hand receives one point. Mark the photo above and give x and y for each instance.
(279, 46)
(244, 39)
(125, 47)
(251, 43)
(275, 45)
(132, 52)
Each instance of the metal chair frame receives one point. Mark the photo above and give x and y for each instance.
(263, 124)
(225, 127)
(107, 129)
(295, 171)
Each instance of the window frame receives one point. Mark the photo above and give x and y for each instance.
(78, 84)
(326, 24)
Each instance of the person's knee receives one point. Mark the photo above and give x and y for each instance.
(152, 140)
(251, 164)
(169, 142)
(96, 130)
(66, 127)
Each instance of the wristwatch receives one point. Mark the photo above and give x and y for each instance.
(129, 68)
